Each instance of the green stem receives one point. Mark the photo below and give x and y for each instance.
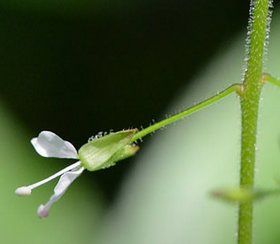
(188, 111)
(249, 107)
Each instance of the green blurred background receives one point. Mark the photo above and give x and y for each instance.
(80, 67)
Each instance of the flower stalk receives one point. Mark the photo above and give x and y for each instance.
(237, 88)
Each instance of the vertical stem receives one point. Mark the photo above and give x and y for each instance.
(258, 30)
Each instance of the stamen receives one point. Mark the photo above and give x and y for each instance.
(26, 190)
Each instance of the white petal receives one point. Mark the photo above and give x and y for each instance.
(23, 191)
(48, 144)
(61, 187)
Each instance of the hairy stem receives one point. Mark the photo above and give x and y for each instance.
(249, 106)
(234, 88)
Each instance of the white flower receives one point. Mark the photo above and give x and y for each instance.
(49, 145)
(100, 153)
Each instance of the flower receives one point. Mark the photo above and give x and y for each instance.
(99, 153)
(49, 145)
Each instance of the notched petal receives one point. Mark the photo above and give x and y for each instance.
(64, 182)
(48, 144)
(42, 211)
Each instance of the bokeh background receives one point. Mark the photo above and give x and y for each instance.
(80, 67)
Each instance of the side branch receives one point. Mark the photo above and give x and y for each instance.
(269, 78)
(238, 88)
